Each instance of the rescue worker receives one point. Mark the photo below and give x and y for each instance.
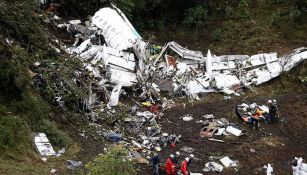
(169, 165)
(273, 112)
(176, 157)
(256, 115)
(270, 119)
(175, 161)
(184, 167)
(155, 164)
(191, 158)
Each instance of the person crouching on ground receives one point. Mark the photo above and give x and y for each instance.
(255, 115)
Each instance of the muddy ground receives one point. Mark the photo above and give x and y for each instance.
(274, 143)
(277, 143)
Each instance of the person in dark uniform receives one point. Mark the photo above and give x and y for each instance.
(272, 111)
(155, 164)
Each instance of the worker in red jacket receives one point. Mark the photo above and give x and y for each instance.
(169, 165)
(183, 167)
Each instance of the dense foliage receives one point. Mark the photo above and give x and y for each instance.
(158, 13)
(22, 110)
(113, 162)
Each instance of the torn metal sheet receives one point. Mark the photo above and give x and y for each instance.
(115, 95)
(214, 167)
(289, 61)
(140, 51)
(117, 58)
(91, 52)
(227, 81)
(227, 162)
(72, 165)
(209, 63)
(42, 145)
(122, 77)
(234, 131)
(116, 28)
(81, 48)
(77, 21)
(170, 60)
(185, 53)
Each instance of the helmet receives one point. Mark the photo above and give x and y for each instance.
(177, 153)
(187, 159)
(191, 155)
(172, 156)
(274, 102)
(269, 101)
(253, 106)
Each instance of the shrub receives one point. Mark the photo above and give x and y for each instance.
(229, 12)
(294, 14)
(56, 136)
(112, 163)
(275, 17)
(244, 11)
(14, 133)
(216, 35)
(196, 16)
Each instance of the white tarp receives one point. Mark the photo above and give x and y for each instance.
(116, 28)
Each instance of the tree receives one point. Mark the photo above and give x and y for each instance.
(196, 16)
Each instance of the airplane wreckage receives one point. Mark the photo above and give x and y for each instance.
(114, 53)
(120, 62)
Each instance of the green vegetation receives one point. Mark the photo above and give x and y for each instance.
(12, 130)
(55, 135)
(196, 17)
(113, 162)
(22, 110)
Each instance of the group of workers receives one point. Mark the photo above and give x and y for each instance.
(258, 114)
(172, 164)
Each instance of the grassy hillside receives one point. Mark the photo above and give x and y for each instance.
(23, 111)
